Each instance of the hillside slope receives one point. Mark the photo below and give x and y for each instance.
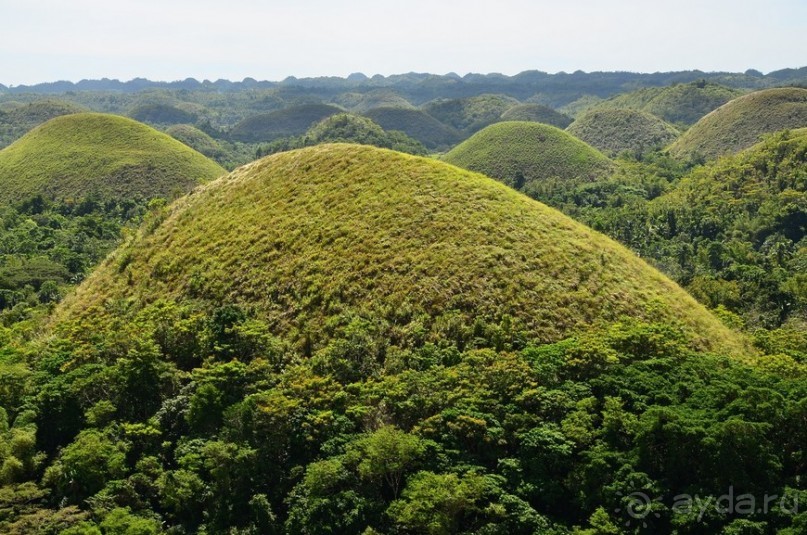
(20, 119)
(310, 238)
(416, 124)
(470, 114)
(535, 158)
(108, 156)
(291, 121)
(679, 104)
(618, 130)
(740, 123)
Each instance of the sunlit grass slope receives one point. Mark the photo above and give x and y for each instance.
(618, 130)
(104, 155)
(526, 154)
(740, 123)
(307, 238)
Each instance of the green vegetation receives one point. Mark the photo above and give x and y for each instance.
(46, 247)
(537, 159)
(741, 123)
(307, 237)
(291, 121)
(346, 339)
(471, 114)
(105, 156)
(197, 140)
(18, 120)
(536, 113)
(161, 114)
(679, 104)
(347, 128)
(377, 98)
(731, 232)
(415, 124)
(737, 228)
(614, 131)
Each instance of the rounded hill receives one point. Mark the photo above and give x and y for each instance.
(291, 121)
(679, 104)
(112, 157)
(310, 240)
(740, 123)
(416, 124)
(531, 157)
(617, 130)
(536, 113)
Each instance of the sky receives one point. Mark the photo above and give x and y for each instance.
(50, 40)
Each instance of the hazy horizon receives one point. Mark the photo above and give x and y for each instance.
(48, 40)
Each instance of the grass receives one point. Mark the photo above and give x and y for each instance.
(304, 239)
(470, 114)
(681, 104)
(734, 189)
(619, 130)
(416, 124)
(196, 139)
(740, 123)
(102, 155)
(15, 122)
(536, 113)
(524, 155)
(291, 121)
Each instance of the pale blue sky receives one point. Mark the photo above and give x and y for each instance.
(48, 40)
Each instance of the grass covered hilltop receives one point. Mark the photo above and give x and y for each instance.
(740, 123)
(345, 339)
(307, 237)
(108, 156)
(538, 159)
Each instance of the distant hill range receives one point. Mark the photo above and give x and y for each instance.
(550, 89)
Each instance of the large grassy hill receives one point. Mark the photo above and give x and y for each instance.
(537, 113)
(416, 124)
(535, 158)
(740, 123)
(106, 156)
(616, 130)
(291, 121)
(18, 120)
(680, 104)
(309, 239)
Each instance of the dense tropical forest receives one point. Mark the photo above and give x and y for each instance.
(566, 304)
